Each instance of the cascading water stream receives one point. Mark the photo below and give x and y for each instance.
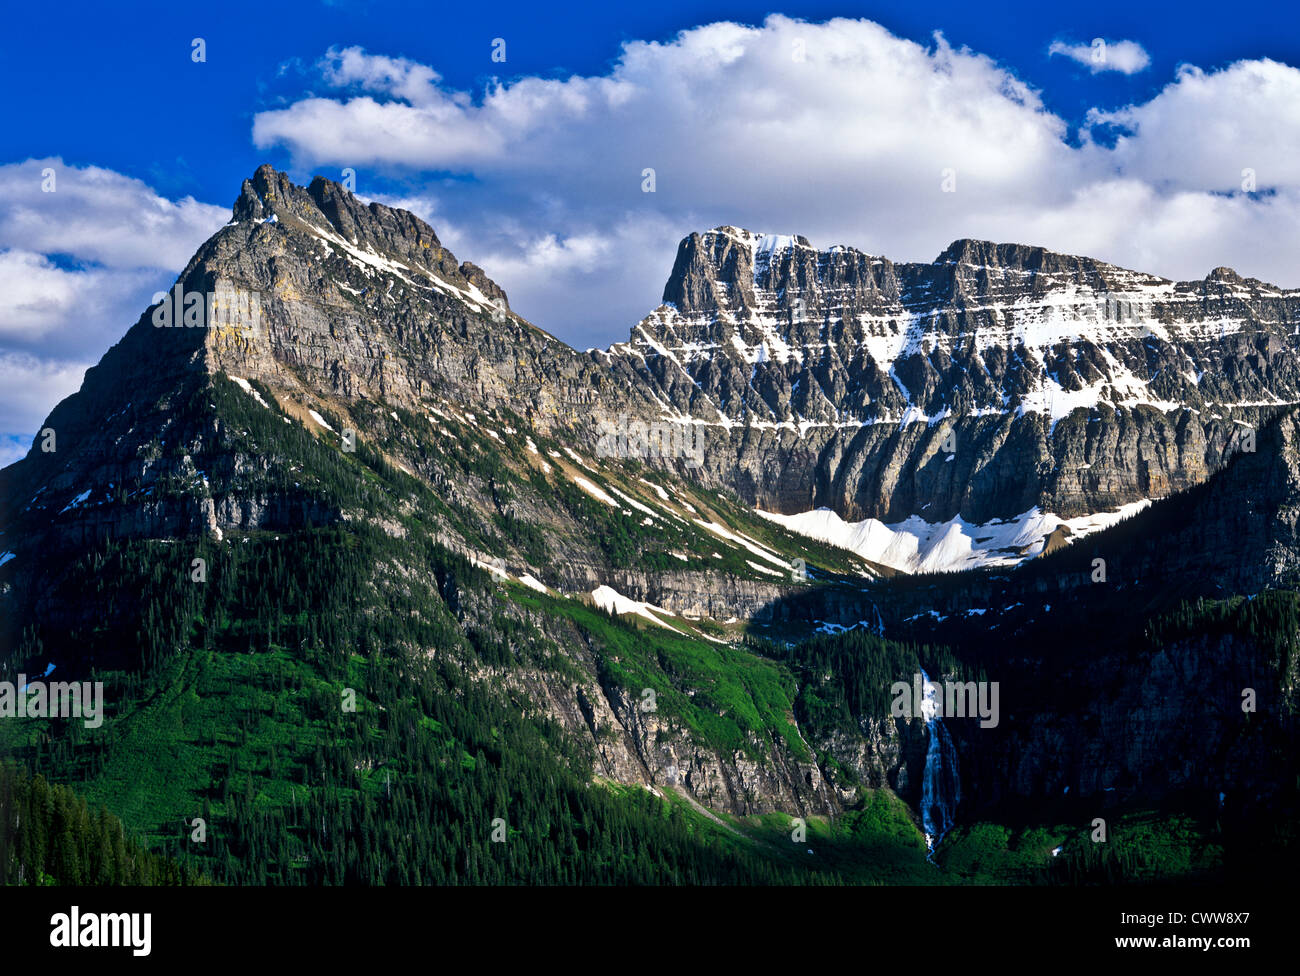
(940, 784)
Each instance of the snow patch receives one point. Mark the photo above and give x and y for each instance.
(740, 540)
(533, 583)
(663, 495)
(320, 420)
(595, 491)
(608, 598)
(76, 501)
(247, 387)
(635, 504)
(917, 546)
(493, 568)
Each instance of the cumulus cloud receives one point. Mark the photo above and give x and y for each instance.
(99, 216)
(1126, 57)
(1203, 129)
(29, 387)
(40, 301)
(82, 250)
(839, 131)
(13, 447)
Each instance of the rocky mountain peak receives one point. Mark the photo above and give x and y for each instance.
(990, 254)
(256, 193)
(328, 304)
(348, 291)
(739, 272)
(734, 270)
(824, 377)
(271, 196)
(1227, 276)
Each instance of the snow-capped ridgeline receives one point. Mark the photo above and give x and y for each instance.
(1076, 326)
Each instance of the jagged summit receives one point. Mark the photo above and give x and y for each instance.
(356, 299)
(322, 303)
(326, 206)
(732, 256)
(964, 250)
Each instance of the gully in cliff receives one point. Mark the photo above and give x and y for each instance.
(941, 781)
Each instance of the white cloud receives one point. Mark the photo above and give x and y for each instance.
(30, 386)
(1204, 128)
(575, 277)
(38, 296)
(39, 299)
(77, 267)
(417, 83)
(561, 280)
(1126, 57)
(13, 448)
(838, 131)
(100, 216)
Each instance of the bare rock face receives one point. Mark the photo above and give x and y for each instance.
(995, 379)
(364, 302)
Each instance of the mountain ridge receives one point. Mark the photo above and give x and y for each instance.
(1111, 418)
(818, 355)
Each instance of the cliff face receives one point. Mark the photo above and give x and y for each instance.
(995, 379)
(330, 303)
(364, 302)
(1124, 660)
(1177, 726)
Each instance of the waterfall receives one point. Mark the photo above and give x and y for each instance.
(940, 784)
(879, 623)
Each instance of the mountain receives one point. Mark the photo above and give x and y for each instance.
(995, 380)
(582, 593)
(330, 317)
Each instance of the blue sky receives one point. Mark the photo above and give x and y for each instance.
(125, 81)
(540, 182)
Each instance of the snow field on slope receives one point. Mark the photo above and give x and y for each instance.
(917, 546)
